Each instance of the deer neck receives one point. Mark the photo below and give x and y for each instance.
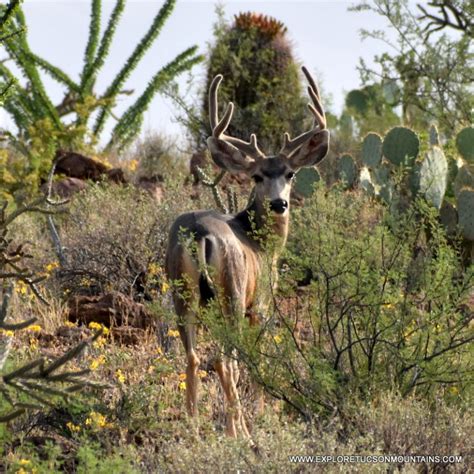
(260, 228)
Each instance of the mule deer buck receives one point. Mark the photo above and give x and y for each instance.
(227, 244)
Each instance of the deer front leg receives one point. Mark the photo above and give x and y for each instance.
(188, 336)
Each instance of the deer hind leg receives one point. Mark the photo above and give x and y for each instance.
(227, 370)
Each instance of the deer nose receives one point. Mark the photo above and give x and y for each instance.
(279, 206)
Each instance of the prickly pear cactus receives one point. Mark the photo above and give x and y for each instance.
(465, 205)
(347, 170)
(465, 144)
(305, 180)
(448, 217)
(434, 136)
(433, 176)
(401, 146)
(372, 150)
(365, 181)
(464, 178)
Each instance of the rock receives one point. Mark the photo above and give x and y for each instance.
(79, 166)
(110, 309)
(66, 187)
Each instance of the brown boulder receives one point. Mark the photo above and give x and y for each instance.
(110, 309)
(79, 166)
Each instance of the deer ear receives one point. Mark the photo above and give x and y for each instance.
(228, 157)
(312, 151)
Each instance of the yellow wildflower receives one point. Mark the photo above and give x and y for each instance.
(70, 324)
(164, 287)
(182, 376)
(154, 269)
(97, 420)
(98, 343)
(33, 343)
(120, 376)
(21, 287)
(24, 462)
(278, 339)
(159, 351)
(97, 327)
(453, 390)
(7, 332)
(72, 427)
(51, 266)
(96, 363)
(202, 374)
(173, 333)
(132, 165)
(182, 385)
(34, 328)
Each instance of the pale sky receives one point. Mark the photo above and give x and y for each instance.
(324, 34)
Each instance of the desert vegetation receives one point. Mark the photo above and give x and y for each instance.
(366, 346)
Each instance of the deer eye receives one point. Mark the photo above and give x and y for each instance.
(257, 178)
(290, 175)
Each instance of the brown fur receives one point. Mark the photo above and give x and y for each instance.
(229, 257)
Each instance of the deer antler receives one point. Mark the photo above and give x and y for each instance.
(316, 108)
(220, 126)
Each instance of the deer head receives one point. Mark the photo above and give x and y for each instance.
(273, 174)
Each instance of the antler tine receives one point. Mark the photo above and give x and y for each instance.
(316, 108)
(249, 148)
(213, 114)
(220, 126)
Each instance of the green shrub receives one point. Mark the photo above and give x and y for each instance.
(385, 309)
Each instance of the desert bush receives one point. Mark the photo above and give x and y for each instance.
(116, 237)
(158, 155)
(385, 309)
(29, 386)
(111, 235)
